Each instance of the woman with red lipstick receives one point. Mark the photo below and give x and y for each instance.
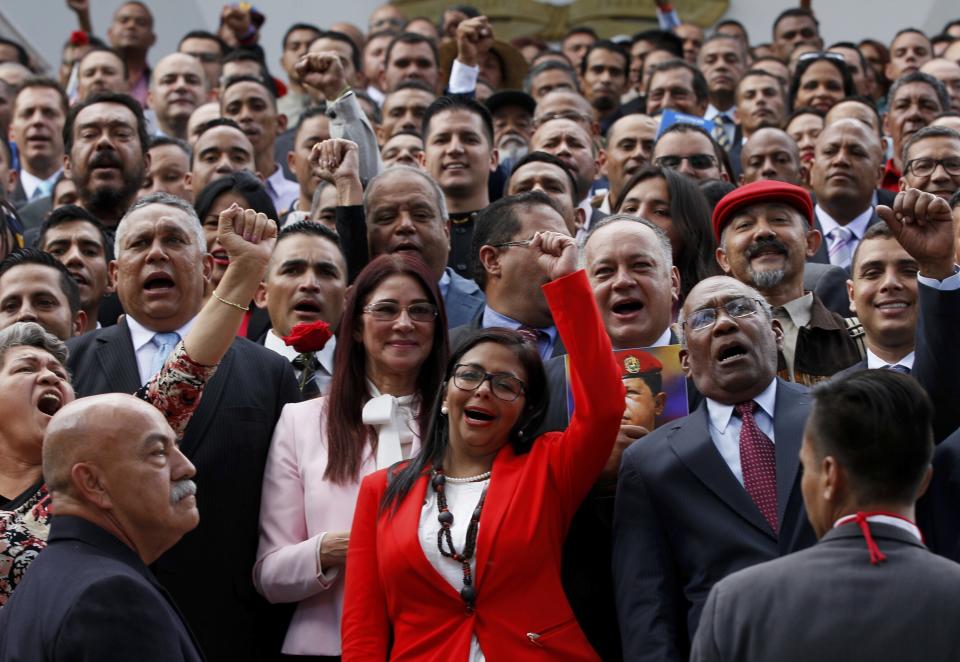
(240, 188)
(455, 555)
(388, 365)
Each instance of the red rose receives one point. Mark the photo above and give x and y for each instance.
(309, 336)
(79, 38)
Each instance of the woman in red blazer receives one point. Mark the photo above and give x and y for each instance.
(456, 556)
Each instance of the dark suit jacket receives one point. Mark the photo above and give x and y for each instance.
(936, 363)
(829, 283)
(459, 333)
(90, 597)
(209, 571)
(32, 214)
(938, 511)
(682, 522)
(822, 255)
(830, 603)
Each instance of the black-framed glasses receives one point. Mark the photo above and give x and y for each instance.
(736, 308)
(388, 311)
(697, 161)
(207, 58)
(519, 242)
(505, 387)
(924, 167)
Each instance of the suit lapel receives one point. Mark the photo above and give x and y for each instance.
(196, 430)
(117, 359)
(789, 420)
(692, 443)
(504, 482)
(821, 255)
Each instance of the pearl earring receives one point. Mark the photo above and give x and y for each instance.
(443, 409)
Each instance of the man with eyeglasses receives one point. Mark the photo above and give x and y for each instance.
(688, 149)
(510, 280)
(208, 49)
(931, 160)
(709, 494)
(565, 104)
(765, 233)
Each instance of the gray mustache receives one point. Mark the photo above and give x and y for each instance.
(181, 490)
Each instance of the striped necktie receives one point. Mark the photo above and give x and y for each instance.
(841, 246)
(719, 131)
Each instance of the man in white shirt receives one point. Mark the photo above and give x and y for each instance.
(847, 168)
(305, 282)
(866, 459)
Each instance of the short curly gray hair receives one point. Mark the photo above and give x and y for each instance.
(31, 334)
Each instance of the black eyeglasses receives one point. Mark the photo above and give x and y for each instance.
(707, 317)
(924, 167)
(697, 161)
(505, 387)
(388, 311)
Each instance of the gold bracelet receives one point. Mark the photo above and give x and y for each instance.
(230, 303)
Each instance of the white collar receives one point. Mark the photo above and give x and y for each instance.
(898, 522)
(874, 362)
(712, 111)
(857, 226)
(141, 335)
(325, 356)
(31, 182)
(664, 338)
(720, 413)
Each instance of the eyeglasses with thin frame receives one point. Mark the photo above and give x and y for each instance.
(206, 58)
(735, 308)
(503, 386)
(697, 161)
(924, 167)
(519, 242)
(388, 311)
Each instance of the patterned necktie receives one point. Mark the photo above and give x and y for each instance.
(164, 342)
(538, 337)
(719, 131)
(841, 246)
(902, 369)
(759, 463)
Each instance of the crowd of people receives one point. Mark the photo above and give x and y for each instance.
(360, 362)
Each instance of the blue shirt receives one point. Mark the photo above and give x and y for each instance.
(545, 341)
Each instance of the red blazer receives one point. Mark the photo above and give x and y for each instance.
(392, 591)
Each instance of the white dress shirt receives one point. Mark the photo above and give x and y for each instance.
(143, 346)
(325, 356)
(725, 427)
(31, 183)
(281, 190)
(874, 362)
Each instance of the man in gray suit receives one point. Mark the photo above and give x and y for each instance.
(866, 458)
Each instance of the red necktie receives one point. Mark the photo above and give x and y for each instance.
(758, 462)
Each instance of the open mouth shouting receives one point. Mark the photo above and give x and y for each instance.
(478, 416)
(49, 402)
(730, 353)
(159, 283)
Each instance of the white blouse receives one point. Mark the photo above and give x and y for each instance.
(462, 499)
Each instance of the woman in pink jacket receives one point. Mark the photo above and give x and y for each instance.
(390, 355)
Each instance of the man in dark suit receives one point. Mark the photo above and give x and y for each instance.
(305, 282)
(511, 282)
(847, 166)
(710, 493)
(866, 458)
(407, 211)
(160, 271)
(123, 495)
(36, 127)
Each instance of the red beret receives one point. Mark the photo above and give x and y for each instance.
(634, 361)
(765, 190)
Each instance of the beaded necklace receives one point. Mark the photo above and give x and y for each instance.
(468, 593)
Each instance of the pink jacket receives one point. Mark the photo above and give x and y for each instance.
(297, 507)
